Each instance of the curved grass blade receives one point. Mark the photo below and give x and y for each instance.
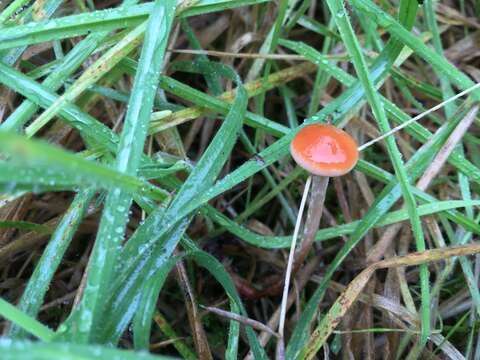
(19, 318)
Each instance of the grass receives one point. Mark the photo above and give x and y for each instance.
(148, 200)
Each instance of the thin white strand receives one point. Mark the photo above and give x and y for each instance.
(418, 117)
(288, 273)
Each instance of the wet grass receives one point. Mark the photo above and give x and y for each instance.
(148, 198)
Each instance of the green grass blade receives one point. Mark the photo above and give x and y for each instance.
(22, 320)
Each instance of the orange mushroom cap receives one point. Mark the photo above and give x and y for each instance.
(324, 150)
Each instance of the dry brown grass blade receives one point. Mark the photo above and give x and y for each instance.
(198, 332)
(241, 319)
(447, 148)
(353, 290)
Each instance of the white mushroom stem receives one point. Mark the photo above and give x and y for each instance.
(288, 273)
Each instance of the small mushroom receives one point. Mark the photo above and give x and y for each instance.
(324, 151)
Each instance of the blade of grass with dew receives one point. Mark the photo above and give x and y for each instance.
(27, 323)
(87, 316)
(49, 8)
(124, 306)
(337, 9)
(60, 165)
(55, 80)
(30, 350)
(37, 286)
(101, 20)
(206, 170)
(90, 76)
(142, 320)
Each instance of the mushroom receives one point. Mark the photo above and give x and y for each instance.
(324, 151)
